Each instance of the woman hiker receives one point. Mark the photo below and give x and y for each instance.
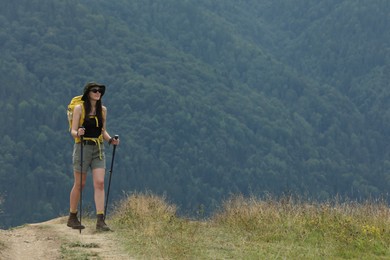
(92, 129)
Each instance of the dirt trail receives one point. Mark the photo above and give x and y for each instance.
(54, 240)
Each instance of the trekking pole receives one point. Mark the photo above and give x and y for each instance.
(109, 181)
(81, 178)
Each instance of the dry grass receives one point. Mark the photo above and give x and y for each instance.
(249, 228)
(151, 228)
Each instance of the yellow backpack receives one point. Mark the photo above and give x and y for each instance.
(73, 103)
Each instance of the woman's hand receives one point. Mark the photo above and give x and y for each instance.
(81, 131)
(114, 140)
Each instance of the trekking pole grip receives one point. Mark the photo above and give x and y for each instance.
(112, 138)
(81, 136)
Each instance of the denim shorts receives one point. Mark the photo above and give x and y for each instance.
(91, 157)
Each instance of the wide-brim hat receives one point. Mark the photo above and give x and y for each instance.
(91, 85)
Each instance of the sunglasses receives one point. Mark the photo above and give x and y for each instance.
(96, 90)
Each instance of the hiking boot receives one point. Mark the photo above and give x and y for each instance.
(74, 222)
(100, 224)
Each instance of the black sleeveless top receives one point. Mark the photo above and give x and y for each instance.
(93, 127)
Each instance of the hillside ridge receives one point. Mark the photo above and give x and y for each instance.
(209, 99)
(54, 240)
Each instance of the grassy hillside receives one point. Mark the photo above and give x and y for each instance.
(146, 226)
(209, 99)
(249, 228)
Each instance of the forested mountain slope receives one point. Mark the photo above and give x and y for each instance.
(209, 99)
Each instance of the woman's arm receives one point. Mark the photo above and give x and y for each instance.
(75, 132)
(106, 135)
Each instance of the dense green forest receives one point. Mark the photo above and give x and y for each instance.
(210, 98)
